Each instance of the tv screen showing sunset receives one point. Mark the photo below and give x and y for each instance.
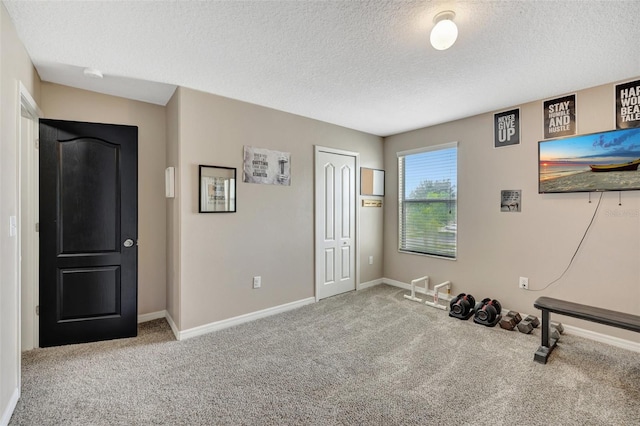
(605, 161)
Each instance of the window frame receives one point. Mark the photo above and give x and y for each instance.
(402, 201)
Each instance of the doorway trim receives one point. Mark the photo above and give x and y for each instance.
(318, 215)
(27, 196)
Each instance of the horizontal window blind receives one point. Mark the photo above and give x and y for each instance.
(428, 200)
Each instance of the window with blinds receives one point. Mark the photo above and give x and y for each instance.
(428, 180)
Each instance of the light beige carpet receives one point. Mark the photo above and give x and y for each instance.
(365, 358)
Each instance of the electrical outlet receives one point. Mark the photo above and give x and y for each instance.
(370, 260)
(257, 282)
(524, 283)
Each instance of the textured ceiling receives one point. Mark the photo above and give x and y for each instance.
(366, 65)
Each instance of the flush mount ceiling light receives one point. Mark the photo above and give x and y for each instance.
(92, 73)
(445, 32)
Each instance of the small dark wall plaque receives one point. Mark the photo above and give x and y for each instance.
(510, 200)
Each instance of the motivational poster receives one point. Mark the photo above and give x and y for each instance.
(560, 117)
(506, 128)
(510, 200)
(266, 166)
(627, 108)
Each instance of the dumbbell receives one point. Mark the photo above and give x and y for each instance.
(527, 325)
(510, 320)
(556, 329)
(487, 312)
(461, 306)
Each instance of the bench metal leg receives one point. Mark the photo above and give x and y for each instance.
(548, 344)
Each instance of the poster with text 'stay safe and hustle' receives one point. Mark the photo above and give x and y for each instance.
(266, 166)
(560, 117)
(628, 105)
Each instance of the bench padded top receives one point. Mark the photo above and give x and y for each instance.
(589, 313)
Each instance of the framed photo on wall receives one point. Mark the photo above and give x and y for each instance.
(217, 189)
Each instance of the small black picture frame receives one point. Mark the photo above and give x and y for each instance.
(217, 189)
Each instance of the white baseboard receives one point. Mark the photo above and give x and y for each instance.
(395, 283)
(173, 326)
(602, 338)
(152, 316)
(592, 335)
(369, 284)
(8, 411)
(219, 325)
(442, 296)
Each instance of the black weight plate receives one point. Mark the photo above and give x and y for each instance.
(453, 302)
(457, 309)
(491, 312)
(482, 315)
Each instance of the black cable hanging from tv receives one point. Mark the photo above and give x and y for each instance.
(595, 212)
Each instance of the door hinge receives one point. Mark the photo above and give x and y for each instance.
(37, 227)
(37, 142)
(38, 310)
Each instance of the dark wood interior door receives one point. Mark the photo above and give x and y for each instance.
(88, 232)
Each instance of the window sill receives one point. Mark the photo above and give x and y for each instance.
(427, 255)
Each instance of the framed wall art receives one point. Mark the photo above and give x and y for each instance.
(559, 117)
(371, 182)
(628, 105)
(506, 128)
(266, 166)
(217, 189)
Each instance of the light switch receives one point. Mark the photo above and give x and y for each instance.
(13, 226)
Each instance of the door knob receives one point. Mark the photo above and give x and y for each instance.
(128, 243)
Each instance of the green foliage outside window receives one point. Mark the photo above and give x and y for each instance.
(428, 221)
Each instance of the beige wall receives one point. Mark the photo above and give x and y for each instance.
(66, 103)
(271, 234)
(15, 67)
(496, 248)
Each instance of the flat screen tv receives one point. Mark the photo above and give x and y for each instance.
(604, 161)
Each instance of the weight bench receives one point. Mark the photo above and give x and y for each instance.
(576, 310)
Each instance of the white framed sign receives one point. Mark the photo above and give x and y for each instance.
(266, 166)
